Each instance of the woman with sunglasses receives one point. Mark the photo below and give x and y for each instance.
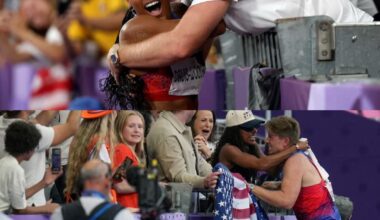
(237, 148)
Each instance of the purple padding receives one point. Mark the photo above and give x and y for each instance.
(344, 96)
(241, 86)
(100, 74)
(85, 78)
(212, 95)
(21, 85)
(164, 216)
(294, 94)
(5, 88)
(282, 217)
(347, 146)
(201, 217)
(30, 217)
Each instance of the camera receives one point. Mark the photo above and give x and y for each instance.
(152, 198)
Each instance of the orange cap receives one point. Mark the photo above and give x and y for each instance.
(91, 114)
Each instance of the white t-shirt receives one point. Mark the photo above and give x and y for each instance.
(12, 182)
(89, 203)
(257, 16)
(61, 118)
(35, 167)
(53, 36)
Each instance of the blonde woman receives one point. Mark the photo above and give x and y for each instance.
(129, 128)
(94, 139)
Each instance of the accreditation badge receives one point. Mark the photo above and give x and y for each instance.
(187, 77)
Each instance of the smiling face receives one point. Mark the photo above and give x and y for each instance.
(276, 143)
(156, 8)
(249, 137)
(133, 131)
(203, 123)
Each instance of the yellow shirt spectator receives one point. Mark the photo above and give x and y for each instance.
(95, 9)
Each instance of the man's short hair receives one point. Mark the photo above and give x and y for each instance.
(284, 126)
(21, 137)
(94, 169)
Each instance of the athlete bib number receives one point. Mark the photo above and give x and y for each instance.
(187, 77)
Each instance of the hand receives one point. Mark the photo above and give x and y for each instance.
(303, 145)
(202, 145)
(211, 180)
(17, 25)
(51, 207)
(49, 177)
(114, 69)
(75, 12)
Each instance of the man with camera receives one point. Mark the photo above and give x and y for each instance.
(95, 184)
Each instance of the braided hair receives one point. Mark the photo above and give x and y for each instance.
(128, 94)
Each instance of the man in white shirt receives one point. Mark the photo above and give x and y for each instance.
(35, 167)
(21, 140)
(242, 16)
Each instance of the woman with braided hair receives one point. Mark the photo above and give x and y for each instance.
(171, 87)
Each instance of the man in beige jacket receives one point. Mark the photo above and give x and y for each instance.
(171, 142)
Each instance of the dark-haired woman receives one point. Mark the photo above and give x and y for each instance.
(237, 148)
(203, 128)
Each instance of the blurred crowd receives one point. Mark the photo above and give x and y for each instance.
(57, 36)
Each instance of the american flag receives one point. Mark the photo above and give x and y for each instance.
(233, 199)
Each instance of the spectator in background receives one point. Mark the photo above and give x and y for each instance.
(170, 141)
(237, 148)
(303, 188)
(95, 181)
(95, 139)
(94, 20)
(21, 140)
(35, 167)
(203, 128)
(30, 35)
(129, 131)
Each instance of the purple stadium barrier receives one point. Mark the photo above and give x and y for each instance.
(241, 84)
(85, 78)
(302, 95)
(100, 73)
(212, 94)
(21, 85)
(5, 88)
(294, 94)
